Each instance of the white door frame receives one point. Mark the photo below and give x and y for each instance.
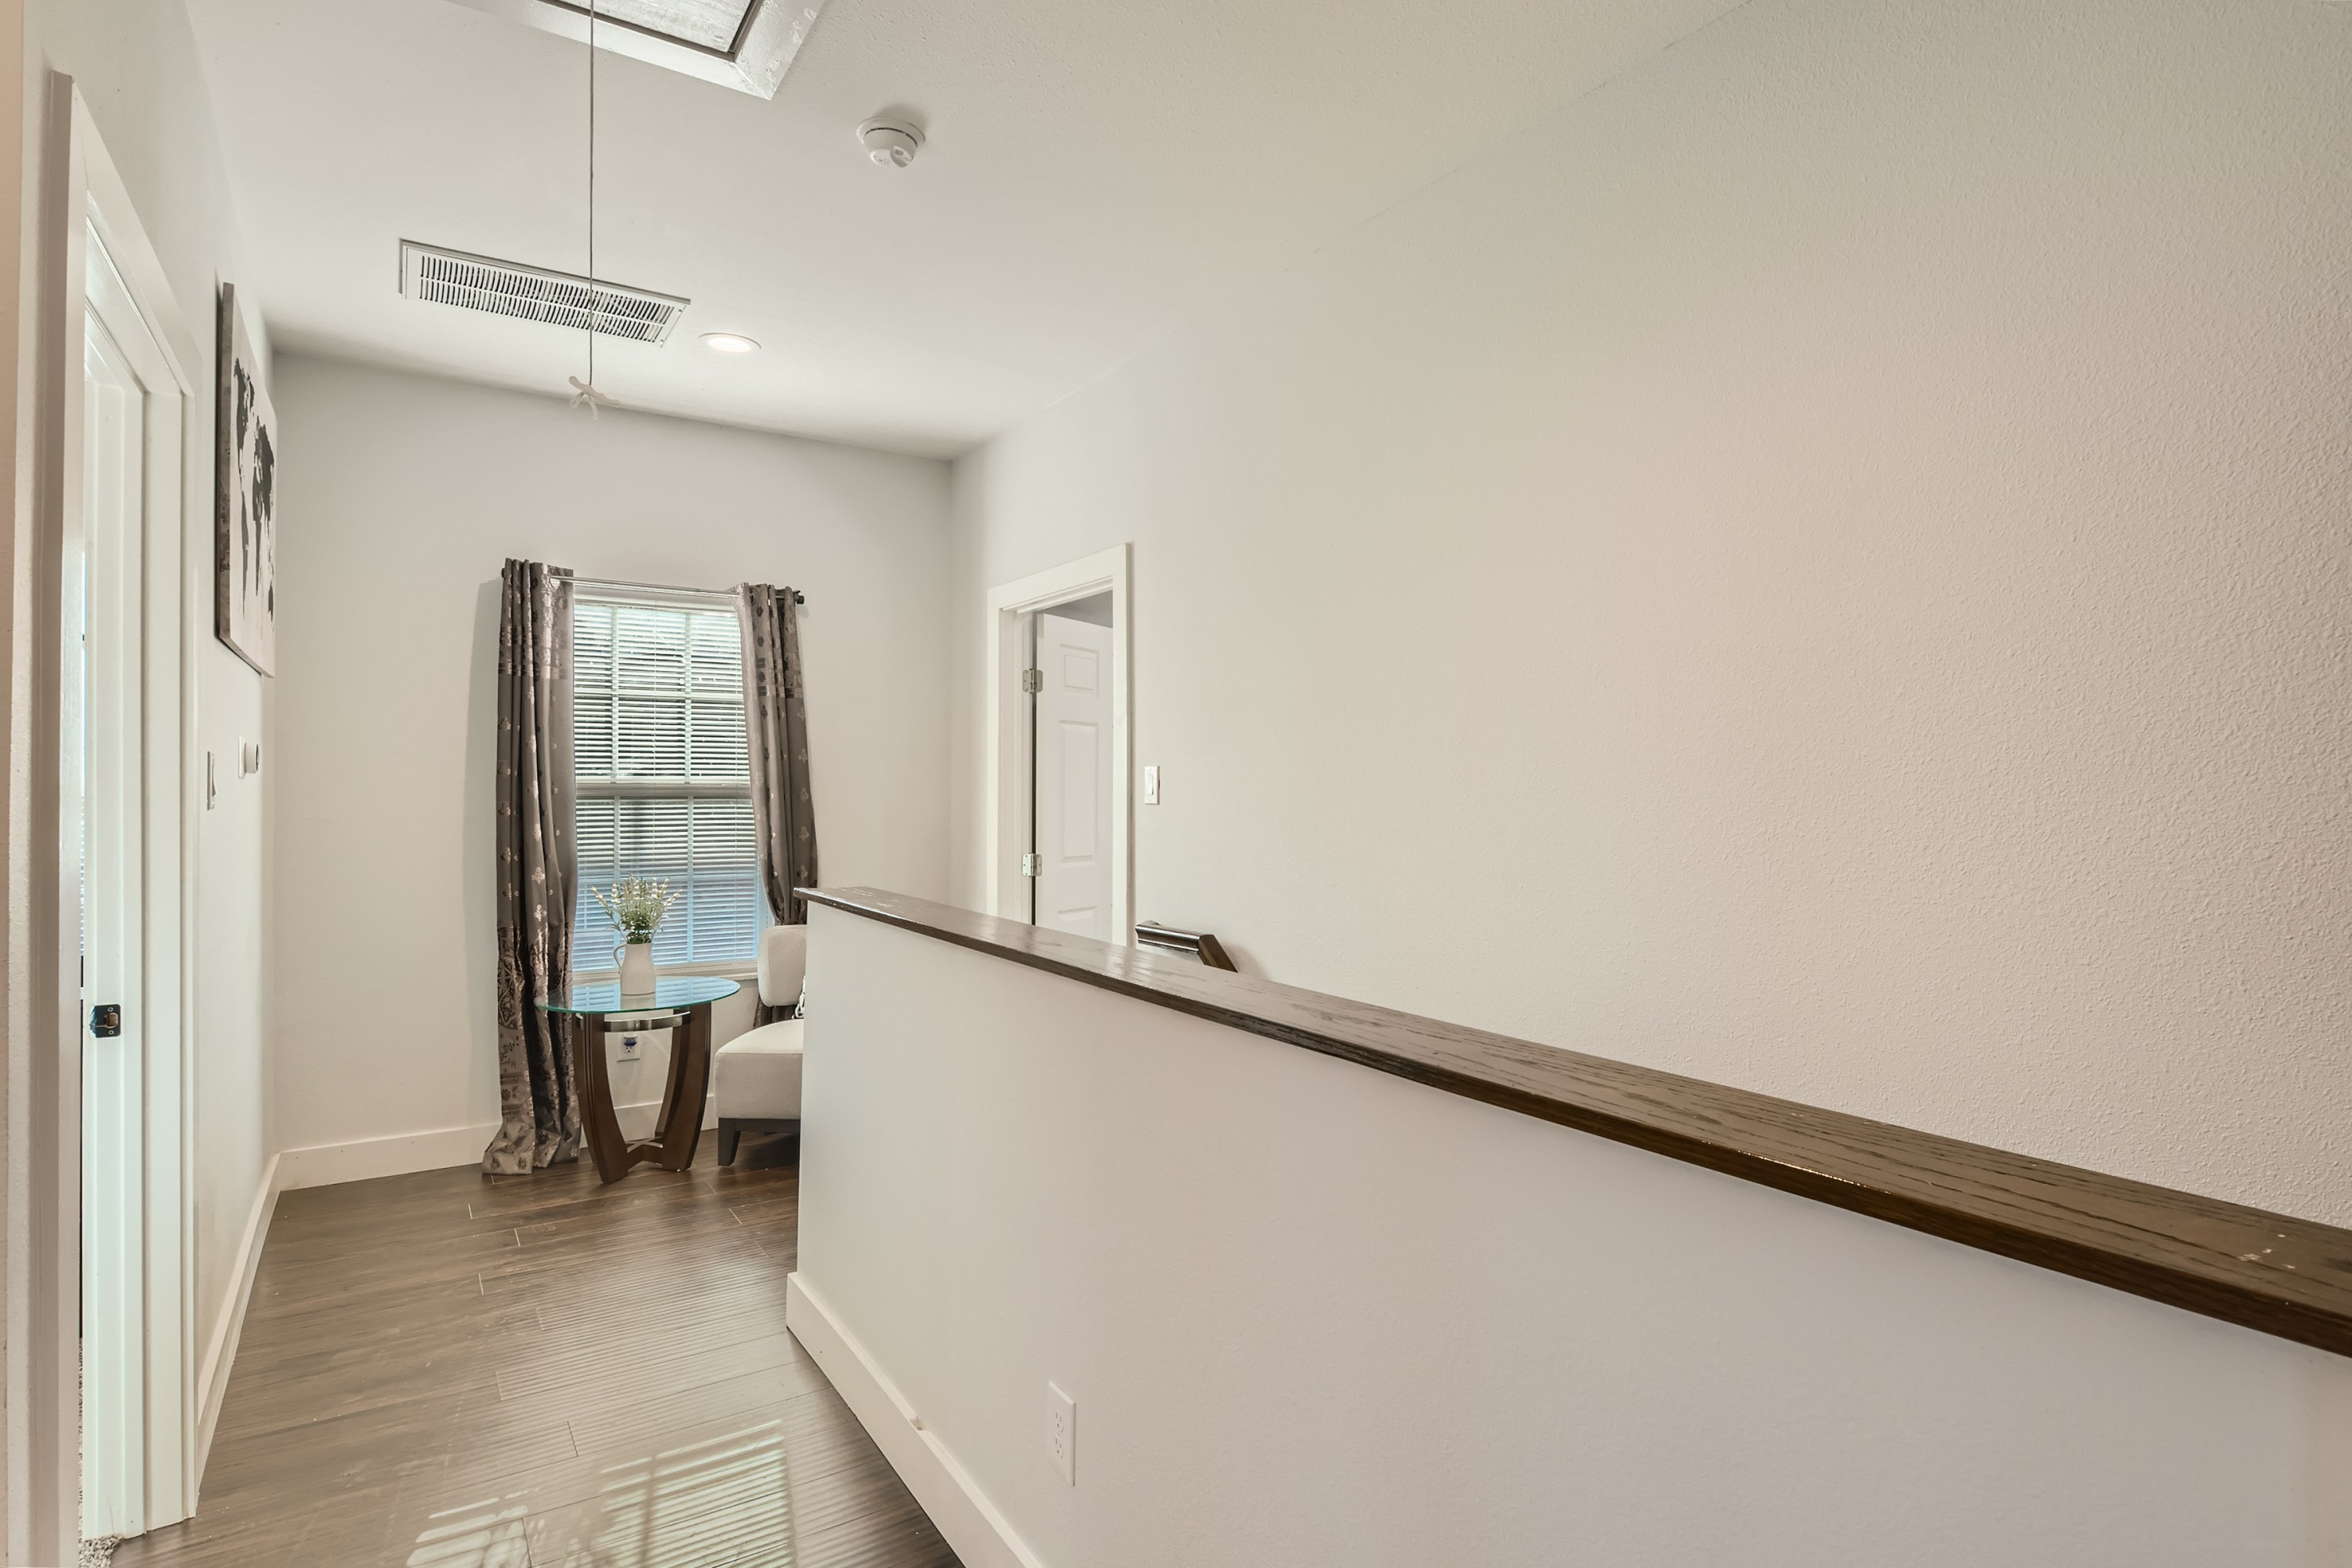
(1004, 888)
(83, 194)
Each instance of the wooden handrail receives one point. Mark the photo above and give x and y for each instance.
(2270, 1272)
(1201, 944)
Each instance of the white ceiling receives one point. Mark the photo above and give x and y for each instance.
(1096, 171)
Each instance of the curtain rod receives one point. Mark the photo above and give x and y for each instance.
(798, 597)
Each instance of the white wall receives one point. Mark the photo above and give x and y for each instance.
(403, 495)
(1821, 565)
(1311, 1313)
(137, 67)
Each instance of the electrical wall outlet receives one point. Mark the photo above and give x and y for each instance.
(1062, 1432)
(628, 1048)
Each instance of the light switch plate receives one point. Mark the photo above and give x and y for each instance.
(1062, 1432)
(1151, 784)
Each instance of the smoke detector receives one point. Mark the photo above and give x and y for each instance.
(892, 142)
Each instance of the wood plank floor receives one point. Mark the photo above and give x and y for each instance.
(454, 1371)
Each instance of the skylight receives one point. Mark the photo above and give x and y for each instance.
(743, 44)
(713, 24)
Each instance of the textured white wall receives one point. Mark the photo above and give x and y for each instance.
(1311, 1313)
(403, 496)
(1821, 565)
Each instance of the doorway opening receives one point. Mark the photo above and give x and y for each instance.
(1068, 858)
(1059, 813)
(106, 827)
(125, 449)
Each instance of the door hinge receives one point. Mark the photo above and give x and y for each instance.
(1032, 680)
(106, 1020)
(1033, 864)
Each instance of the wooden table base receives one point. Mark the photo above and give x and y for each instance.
(679, 1125)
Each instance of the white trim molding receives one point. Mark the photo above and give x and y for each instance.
(161, 1198)
(212, 1385)
(438, 1149)
(365, 1159)
(1002, 887)
(980, 1533)
(77, 193)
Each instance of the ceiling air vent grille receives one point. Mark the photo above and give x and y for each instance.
(535, 294)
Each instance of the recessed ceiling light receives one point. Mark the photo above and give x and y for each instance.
(729, 342)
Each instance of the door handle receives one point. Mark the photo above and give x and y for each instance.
(106, 1020)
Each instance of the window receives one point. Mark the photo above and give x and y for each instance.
(664, 787)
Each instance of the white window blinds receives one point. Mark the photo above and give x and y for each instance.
(665, 788)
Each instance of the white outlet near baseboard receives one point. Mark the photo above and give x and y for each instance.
(1062, 1432)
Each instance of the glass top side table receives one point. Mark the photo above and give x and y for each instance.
(680, 1004)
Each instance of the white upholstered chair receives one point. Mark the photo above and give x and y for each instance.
(756, 1075)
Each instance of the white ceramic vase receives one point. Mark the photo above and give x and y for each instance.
(637, 961)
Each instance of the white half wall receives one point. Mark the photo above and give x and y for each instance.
(1821, 565)
(1311, 1313)
(403, 495)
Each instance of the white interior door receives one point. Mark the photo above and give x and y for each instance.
(1073, 776)
(133, 1354)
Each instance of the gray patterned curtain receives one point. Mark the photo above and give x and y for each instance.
(537, 868)
(775, 724)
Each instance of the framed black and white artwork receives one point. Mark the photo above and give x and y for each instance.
(244, 527)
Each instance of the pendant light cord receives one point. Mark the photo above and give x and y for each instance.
(595, 299)
(585, 391)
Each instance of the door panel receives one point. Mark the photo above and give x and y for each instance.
(1073, 776)
(122, 745)
(106, 581)
(1081, 747)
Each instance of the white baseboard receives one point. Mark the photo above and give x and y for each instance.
(329, 1164)
(212, 1381)
(981, 1536)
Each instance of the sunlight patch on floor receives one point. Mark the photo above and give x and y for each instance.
(677, 1507)
(480, 1535)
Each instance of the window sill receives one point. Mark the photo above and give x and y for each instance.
(723, 969)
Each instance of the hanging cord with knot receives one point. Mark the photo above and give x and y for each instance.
(586, 390)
